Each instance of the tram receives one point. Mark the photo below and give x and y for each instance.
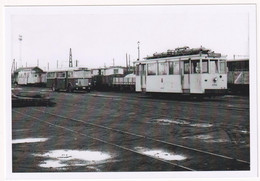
(69, 79)
(187, 71)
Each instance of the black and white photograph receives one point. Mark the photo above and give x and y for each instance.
(131, 91)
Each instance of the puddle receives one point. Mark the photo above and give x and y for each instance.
(29, 140)
(244, 132)
(168, 121)
(21, 130)
(65, 158)
(52, 164)
(208, 138)
(161, 154)
(217, 141)
(202, 125)
(181, 122)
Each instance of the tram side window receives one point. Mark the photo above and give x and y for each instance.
(205, 66)
(162, 69)
(115, 71)
(222, 66)
(170, 68)
(61, 74)
(213, 66)
(186, 67)
(195, 67)
(137, 70)
(51, 75)
(174, 68)
(70, 74)
(151, 69)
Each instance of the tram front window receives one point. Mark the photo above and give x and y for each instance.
(213, 66)
(222, 66)
(205, 66)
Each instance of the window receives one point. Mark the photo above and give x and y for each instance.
(137, 70)
(61, 74)
(152, 68)
(205, 66)
(222, 66)
(195, 67)
(186, 67)
(171, 68)
(51, 74)
(174, 68)
(213, 66)
(162, 69)
(70, 74)
(115, 71)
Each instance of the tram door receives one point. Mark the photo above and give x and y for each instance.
(185, 66)
(143, 77)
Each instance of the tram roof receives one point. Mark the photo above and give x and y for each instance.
(186, 57)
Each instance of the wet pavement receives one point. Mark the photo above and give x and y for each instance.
(41, 147)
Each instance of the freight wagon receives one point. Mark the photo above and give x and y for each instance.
(238, 76)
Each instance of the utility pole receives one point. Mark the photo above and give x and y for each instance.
(129, 62)
(126, 61)
(76, 63)
(57, 64)
(13, 67)
(37, 62)
(70, 59)
(20, 38)
(138, 50)
(113, 62)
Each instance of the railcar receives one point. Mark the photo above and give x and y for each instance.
(186, 71)
(126, 83)
(102, 78)
(69, 79)
(31, 76)
(238, 76)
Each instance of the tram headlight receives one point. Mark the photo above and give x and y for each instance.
(215, 79)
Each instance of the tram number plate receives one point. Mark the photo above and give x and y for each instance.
(214, 84)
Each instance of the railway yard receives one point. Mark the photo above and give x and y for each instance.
(118, 132)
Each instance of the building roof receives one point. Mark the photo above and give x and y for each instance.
(36, 69)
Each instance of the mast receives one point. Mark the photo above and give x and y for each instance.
(70, 59)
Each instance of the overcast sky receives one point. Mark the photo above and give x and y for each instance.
(99, 34)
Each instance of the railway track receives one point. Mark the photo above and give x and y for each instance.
(180, 102)
(134, 99)
(132, 142)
